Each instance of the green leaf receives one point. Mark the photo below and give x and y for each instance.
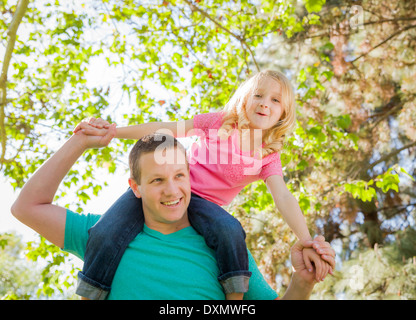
(302, 165)
(314, 5)
(344, 121)
(361, 190)
(304, 203)
(406, 173)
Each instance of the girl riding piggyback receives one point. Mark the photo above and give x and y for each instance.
(237, 146)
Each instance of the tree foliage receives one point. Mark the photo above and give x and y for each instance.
(348, 162)
(380, 273)
(18, 278)
(351, 157)
(22, 277)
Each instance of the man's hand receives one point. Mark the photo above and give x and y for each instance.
(298, 263)
(92, 137)
(303, 280)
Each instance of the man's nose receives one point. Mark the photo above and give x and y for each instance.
(171, 188)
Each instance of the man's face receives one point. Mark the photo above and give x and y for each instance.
(165, 190)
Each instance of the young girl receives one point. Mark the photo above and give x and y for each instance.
(237, 146)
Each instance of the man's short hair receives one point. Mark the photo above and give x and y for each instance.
(147, 144)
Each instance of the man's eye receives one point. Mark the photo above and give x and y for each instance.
(156, 180)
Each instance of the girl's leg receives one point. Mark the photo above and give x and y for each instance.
(224, 234)
(108, 239)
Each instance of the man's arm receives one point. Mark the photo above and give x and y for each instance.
(34, 207)
(298, 289)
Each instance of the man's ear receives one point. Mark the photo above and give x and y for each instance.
(135, 187)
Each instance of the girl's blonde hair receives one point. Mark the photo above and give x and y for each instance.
(235, 116)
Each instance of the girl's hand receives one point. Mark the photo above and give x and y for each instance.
(325, 251)
(298, 262)
(95, 141)
(99, 123)
(93, 127)
(313, 260)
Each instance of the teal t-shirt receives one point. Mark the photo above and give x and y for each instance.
(155, 266)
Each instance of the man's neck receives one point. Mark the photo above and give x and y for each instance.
(167, 228)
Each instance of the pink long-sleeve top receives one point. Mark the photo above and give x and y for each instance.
(219, 170)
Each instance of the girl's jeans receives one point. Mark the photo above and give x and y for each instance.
(110, 236)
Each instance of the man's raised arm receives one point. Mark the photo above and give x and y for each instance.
(34, 207)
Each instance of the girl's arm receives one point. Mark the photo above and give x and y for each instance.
(99, 127)
(177, 129)
(288, 206)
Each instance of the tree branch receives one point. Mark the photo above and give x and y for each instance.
(391, 154)
(386, 115)
(236, 36)
(388, 20)
(11, 33)
(326, 33)
(384, 41)
(400, 207)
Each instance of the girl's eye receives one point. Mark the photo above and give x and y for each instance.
(276, 100)
(257, 95)
(180, 175)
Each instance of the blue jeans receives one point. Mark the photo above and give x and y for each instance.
(110, 236)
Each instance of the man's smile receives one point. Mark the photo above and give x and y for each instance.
(171, 203)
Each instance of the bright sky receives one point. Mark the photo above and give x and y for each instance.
(7, 222)
(99, 75)
(116, 186)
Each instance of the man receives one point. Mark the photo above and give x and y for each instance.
(168, 260)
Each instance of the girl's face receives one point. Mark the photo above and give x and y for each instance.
(264, 107)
